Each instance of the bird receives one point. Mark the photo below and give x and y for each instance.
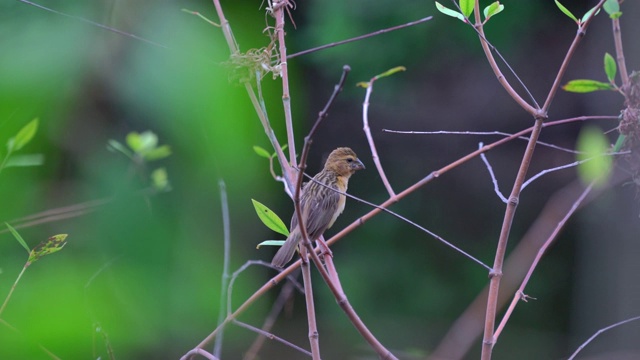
(319, 204)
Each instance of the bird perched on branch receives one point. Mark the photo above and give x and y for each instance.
(320, 205)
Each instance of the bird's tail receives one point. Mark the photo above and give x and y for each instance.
(286, 252)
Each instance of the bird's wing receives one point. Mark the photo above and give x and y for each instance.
(319, 210)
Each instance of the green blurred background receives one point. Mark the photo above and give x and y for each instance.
(146, 270)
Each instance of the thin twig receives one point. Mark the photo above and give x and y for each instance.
(285, 293)
(582, 30)
(432, 234)
(554, 235)
(270, 336)
(372, 145)
(375, 33)
(101, 26)
(224, 283)
(496, 188)
(600, 332)
(15, 330)
(484, 133)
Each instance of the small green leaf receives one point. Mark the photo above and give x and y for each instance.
(585, 86)
(160, 179)
(141, 143)
(25, 160)
(467, 7)
(261, 152)
(588, 14)
(445, 10)
(17, 236)
(158, 153)
(113, 145)
(390, 72)
(49, 246)
(610, 67)
(612, 7)
(270, 243)
(270, 219)
(363, 84)
(566, 11)
(593, 146)
(23, 136)
(493, 9)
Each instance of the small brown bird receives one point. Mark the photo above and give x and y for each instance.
(320, 205)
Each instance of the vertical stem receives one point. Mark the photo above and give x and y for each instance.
(13, 287)
(217, 348)
(279, 10)
(496, 274)
(617, 39)
(311, 311)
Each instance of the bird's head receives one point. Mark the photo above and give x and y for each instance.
(343, 161)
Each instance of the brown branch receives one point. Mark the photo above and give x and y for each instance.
(314, 337)
(622, 66)
(361, 220)
(619, 323)
(357, 38)
(279, 7)
(543, 249)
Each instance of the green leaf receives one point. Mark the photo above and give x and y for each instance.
(261, 152)
(585, 86)
(493, 9)
(593, 146)
(49, 246)
(25, 160)
(610, 67)
(445, 10)
(270, 243)
(17, 236)
(160, 179)
(270, 219)
(588, 14)
(23, 136)
(158, 153)
(141, 143)
(612, 7)
(566, 11)
(113, 145)
(467, 7)
(390, 72)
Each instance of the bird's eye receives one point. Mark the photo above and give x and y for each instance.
(349, 159)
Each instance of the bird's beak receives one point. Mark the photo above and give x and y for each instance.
(357, 165)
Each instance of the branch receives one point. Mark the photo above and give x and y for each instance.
(600, 332)
(520, 292)
(217, 348)
(357, 38)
